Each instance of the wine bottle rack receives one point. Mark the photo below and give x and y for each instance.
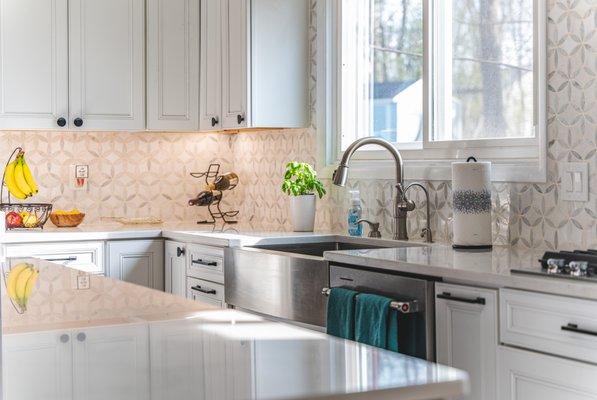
(210, 176)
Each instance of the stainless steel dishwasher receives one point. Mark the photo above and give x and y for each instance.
(414, 295)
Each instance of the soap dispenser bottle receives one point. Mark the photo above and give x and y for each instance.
(354, 214)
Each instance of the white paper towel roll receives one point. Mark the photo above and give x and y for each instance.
(471, 199)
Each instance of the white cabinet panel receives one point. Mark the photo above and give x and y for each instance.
(176, 361)
(33, 63)
(173, 64)
(137, 261)
(552, 324)
(467, 335)
(82, 256)
(205, 262)
(205, 292)
(211, 65)
(107, 64)
(37, 366)
(175, 264)
(524, 375)
(234, 63)
(111, 363)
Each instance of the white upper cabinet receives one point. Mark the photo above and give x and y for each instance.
(33, 64)
(173, 64)
(254, 64)
(211, 65)
(107, 64)
(234, 64)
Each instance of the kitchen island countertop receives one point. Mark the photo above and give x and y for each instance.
(195, 348)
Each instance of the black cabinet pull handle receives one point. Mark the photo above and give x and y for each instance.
(206, 291)
(448, 296)
(203, 262)
(78, 122)
(214, 121)
(179, 252)
(61, 122)
(62, 259)
(574, 328)
(240, 118)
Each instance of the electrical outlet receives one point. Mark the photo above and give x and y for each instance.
(575, 181)
(79, 177)
(83, 282)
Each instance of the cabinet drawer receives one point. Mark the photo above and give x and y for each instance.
(551, 324)
(83, 256)
(205, 292)
(205, 262)
(524, 375)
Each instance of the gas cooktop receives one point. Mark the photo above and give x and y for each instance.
(577, 265)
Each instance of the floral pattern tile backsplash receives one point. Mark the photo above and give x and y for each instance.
(140, 174)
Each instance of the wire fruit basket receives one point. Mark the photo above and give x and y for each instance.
(30, 215)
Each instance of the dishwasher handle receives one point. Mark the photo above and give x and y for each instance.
(448, 296)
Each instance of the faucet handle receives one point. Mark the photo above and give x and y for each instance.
(426, 233)
(373, 226)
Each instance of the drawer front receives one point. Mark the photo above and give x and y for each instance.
(205, 262)
(551, 324)
(524, 375)
(205, 292)
(82, 256)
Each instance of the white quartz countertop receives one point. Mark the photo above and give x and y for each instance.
(491, 268)
(219, 235)
(197, 349)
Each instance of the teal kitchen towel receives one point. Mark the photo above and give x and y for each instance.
(371, 319)
(340, 319)
(392, 340)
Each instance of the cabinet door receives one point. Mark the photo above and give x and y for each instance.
(466, 335)
(211, 65)
(111, 363)
(33, 63)
(107, 64)
(524, 375)
(137, 261)
(176, 361)
(175, 263)
(37, 366)
(173, 65)
(234, 63)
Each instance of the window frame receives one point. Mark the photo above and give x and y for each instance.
(429, 160)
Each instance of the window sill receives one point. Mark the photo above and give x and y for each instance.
(440, 170)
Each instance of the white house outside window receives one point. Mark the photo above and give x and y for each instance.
(443, 79)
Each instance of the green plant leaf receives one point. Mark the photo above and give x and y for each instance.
(301, 179)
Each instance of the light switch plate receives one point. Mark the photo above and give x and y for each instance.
(79, 177)
(575, 181)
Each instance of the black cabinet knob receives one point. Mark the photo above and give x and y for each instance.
(214, 121)
(240, 118)
(78, 122)
(179, 252)
(61, 122)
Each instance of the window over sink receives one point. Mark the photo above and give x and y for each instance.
(442, 80)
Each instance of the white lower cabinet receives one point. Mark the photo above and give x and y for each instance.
(37, 366)
(524, 375)
(137, 261)
(81, 364)
(467, 335)
(190, 362)
(175, 268)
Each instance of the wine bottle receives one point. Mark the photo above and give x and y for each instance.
(224, 182)
(205, 198)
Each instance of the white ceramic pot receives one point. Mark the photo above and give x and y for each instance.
(302, 213)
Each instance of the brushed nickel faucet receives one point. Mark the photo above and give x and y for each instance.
(401, 204)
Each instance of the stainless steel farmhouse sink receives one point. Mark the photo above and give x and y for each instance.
(285, 279)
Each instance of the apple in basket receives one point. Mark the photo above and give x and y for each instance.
(14, 220)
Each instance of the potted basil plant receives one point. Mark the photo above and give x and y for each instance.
(301, 184)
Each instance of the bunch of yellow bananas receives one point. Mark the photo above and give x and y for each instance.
(20, 283)
(19, 179)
